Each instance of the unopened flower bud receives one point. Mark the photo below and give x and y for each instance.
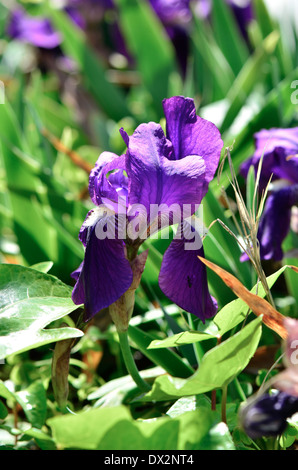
(60, 370)
(121, 310)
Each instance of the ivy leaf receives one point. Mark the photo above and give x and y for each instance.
(29, 301)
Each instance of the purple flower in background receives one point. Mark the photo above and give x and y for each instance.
(177, 16)
(275, 221)
(173, 12)
(33, 30)
(140, 192)
(279, 148)
(267, 415)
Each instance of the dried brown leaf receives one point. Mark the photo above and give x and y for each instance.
(259, 306)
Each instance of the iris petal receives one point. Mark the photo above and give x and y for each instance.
(191, 134)
(275, 222)
(100, 186)
(153, 178)
(183, 279)
(279, 149)
(99, 283)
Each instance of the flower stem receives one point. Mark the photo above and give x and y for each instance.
(130, 363)
(224, 404)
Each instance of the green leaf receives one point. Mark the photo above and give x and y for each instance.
(35, 236)
(33, 400)
(149, 44)
(168, 360)
(247, 79)
(75, 45)
(228, 36)
(266, 25)
(43, 266)
(3, 410)
(118, 431)
(30, 301)
(208, 57)
(180, 339)
(220, 365)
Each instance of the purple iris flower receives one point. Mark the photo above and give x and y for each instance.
(141, 191)
(33, 30)
(279, 149)
(267, 415)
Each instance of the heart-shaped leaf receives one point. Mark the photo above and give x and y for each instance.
(29, 301)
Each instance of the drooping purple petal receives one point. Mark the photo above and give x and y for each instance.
(275, 222)
(183, 278)
(156, 180)
(105, 273)
(33, 30)
(192, 135)
(279, 148)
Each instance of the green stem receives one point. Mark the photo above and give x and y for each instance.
(198, 350)
(224, 404)
(239, 389)
(130, 363)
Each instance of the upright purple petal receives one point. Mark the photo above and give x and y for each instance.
(154, 179)
(275, 222)
(183, 279)
(192, 135)
(104, 275)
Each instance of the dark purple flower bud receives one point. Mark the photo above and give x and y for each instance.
(60, 370)
(267, 414)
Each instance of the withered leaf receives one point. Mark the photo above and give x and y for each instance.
(271, 317)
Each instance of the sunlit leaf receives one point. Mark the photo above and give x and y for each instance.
(29, 301)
